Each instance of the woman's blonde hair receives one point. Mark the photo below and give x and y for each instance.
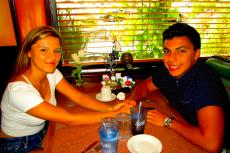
(38, 33)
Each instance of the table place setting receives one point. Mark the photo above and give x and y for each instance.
(129, 129)
(114, 87)
(83, 138)
(140, 142)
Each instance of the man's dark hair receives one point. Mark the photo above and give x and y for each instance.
(183, 29)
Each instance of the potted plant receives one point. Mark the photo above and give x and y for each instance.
(76, 73)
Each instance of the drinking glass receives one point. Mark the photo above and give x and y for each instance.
(124, 124)
(138, 119)
(109, 135)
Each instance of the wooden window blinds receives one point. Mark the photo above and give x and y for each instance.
(136, 26)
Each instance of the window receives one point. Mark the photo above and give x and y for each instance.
(136, 26)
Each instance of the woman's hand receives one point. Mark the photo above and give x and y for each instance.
(124, 103)
(130, 102)
(118, 106)
(155, 117)
(124, 109)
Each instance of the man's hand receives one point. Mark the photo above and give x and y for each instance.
(155, 117)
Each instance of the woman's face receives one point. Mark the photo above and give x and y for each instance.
(179, 55)
(45, 55)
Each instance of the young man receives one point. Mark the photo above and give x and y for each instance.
(192, 88)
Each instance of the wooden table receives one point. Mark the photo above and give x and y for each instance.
(66, 139)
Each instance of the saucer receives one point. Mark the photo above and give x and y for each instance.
(143, 143)
(98, 97)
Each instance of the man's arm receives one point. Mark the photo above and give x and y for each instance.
(142, 89)
(209, 132)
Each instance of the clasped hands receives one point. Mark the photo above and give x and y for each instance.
(154, 116)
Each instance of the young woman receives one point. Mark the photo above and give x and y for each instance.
(29, 99)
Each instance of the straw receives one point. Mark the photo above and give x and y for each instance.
(139, 110)
(139, 107)
(104, 125)
(106, 129)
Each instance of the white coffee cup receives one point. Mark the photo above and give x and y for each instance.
(106, 93)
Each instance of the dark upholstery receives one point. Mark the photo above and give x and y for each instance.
(222, 66)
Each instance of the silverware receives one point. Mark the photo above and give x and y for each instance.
(93, 147)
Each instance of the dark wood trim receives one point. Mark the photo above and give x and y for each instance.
(51, 15)
(118, 62)
(93, 72)
(15, 21)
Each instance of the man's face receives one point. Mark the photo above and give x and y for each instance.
(179, 55)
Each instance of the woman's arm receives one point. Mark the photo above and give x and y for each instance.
(49, 112)
(208, 134)
(84, 100)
